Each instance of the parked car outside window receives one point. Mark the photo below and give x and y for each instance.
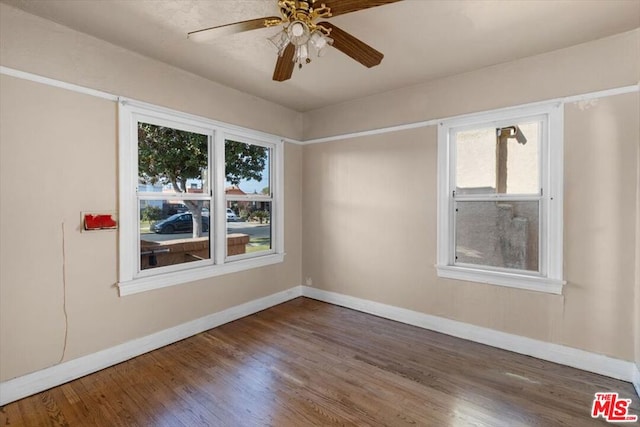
(182, 222)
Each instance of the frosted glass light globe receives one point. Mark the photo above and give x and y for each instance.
(297, 29)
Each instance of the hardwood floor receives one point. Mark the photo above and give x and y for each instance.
(305, 362)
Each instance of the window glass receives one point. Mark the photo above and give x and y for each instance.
(252, 232)
(503, 160)
(497, 234)
(171, 234)
(247, 168)
(172, 160)
(249, 198)
(172, 231)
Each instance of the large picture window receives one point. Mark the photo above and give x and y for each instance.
(197, 198)
(500, 198)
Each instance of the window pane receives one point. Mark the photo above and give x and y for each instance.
(169, 235)
(498, 234)
(172, 160)
(247, 168)
(250, 230)
(503, 160)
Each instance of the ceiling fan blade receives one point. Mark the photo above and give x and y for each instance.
(228, 29)
(353, 47)
(285, 64)
(340, 7)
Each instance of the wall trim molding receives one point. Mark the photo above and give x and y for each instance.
(56, 83)
(377, 131)
(581, 359)
(26, 385)
(394, 128)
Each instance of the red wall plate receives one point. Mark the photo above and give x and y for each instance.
(99, 221)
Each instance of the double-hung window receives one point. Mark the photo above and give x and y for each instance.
(248, 197)
(198, 198)
(500, 198)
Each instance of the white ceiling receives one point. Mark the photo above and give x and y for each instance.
(421, 39)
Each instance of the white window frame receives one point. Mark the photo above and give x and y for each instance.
(550, 277)
(131, 278)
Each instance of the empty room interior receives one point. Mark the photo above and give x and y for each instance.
(330, 212)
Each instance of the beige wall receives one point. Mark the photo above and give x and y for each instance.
(32, 44)
(369, 217)
(601, 140)
(58, 152)
(369, 203)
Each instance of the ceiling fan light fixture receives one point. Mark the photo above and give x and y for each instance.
(298, 33)
(320, 41)
(297, 29)
(323, 50)
(280, 40)
(302, 54)
(317, 40)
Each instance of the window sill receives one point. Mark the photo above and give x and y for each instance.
(511, 280)
(144, 284)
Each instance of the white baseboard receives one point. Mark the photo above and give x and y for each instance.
(44, 379)
(587, 361)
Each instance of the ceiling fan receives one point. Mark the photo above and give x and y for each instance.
(302, 34)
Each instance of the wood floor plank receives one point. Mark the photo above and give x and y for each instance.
(305, 362)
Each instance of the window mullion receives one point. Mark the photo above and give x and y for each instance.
(230, 198)
(497, 198)
(220, 205)
(147, 195)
